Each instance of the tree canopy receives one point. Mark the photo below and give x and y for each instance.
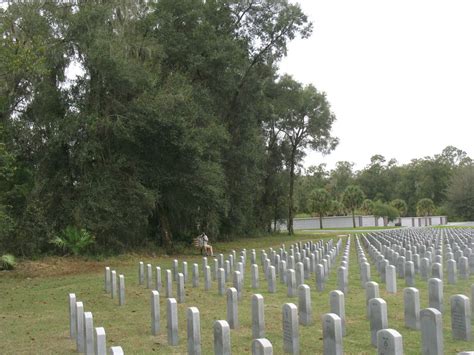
(148, 121)
(304, 117)
(425, 207)
(460, 193)
(388, 181)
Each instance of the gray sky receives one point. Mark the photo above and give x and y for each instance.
(398, 74)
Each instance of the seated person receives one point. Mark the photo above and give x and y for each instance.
(204, 243)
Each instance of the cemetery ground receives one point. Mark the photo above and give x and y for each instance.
(35, 319)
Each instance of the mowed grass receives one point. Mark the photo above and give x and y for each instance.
(34, 311)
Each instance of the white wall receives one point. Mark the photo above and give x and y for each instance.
(363, 221)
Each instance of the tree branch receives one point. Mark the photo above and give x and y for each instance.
(244, 12)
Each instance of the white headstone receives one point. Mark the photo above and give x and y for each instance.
(254, 273)
(194, 331)
(337, 306)
(411, 297)
(378, 317)
(180, 288)
(435, 294)
(141, 273)
(114, 284)
(155, 312)
(169, 284)
(149, 276)
(72, 315)
(172, 321)
(389, 342)
(89, 334)
(100, 341)
(107, 279)
(332, 334)
(121, 290)
(207, 278)
(431, 325)
(80, 327)
(305, 313)
(221, 338)
(461, 318)
(291, 341)
(258, 317)
(262, 346)
(232, 308)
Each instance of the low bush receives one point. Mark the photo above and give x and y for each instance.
(7, 262)
(74, 240)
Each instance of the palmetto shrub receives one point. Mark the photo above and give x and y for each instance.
(7, 262)
(73, 240)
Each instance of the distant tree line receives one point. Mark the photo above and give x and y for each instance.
(442, 184)
(128, 123)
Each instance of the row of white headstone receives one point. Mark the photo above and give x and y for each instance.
(274, 262)
(430, 319)
(333, 323)
(233, 293)
(223, 270)
(89, 340)
(292, 318)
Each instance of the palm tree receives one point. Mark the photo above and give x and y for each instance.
(321, 203)
(337, 208)
(352, 198)
(401, 206)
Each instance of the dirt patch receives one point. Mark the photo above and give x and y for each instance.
(56, 266)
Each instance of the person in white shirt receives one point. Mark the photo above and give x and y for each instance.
(204, 240)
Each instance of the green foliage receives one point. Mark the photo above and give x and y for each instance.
(170, 127)
(386, 180)
(386, 211)
(400, 205)
(7, 262)
(73, 240)
(353, 197)
(165, 131)
(340, 178)
(367, 206)
(460, 193)
(321, 201)
(425, 207)
(337, 208)
(304, 116)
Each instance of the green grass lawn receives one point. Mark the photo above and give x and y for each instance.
(34, 310)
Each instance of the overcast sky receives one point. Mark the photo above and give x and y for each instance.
(399, 75)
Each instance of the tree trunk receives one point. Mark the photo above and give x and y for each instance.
(353, 219)
(275, 216)
(165, 228)
(320, 221)
(290, 197)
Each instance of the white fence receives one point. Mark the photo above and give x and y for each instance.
(364, 221)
